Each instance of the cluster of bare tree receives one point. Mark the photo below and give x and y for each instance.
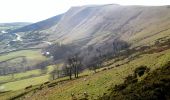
(90, 57)
(58, 51)
(73, 65)
(68, 54)
(94, 55)
(56, 73)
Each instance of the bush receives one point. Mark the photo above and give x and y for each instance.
(140, 71)
(131, 79)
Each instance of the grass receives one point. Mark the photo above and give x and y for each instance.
(17, 85)
(94, 84)
(32, 57)
(20, 75)
(29, 54)
(154, 86)
(139, 39)
(97, 84)
(15, 59)
(22, 83)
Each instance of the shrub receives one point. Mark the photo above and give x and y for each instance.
(140, 71)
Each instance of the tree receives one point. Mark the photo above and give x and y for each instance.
(23, 63)
(74, 62)
(43, 66)
(119, 45)
(13, 71)
(54, 72)
(59, 51)
(69, 67)
(95, 63)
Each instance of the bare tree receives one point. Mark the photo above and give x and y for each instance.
(55, 72)
(74, 62)
(69, 67)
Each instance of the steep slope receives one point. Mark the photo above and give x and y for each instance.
(111, 21)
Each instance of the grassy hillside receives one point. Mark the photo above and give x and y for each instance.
(95, 85)
(154, 86)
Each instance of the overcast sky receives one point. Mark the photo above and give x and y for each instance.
(37, 10)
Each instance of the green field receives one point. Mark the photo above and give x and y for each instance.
(29, 54)
(15, 59)
(33, 57)
(20, 75)
(21, 84)
(34, 77)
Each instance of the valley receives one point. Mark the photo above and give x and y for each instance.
(87, 53)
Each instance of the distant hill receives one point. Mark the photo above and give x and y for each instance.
(45, 24)
(14, 25)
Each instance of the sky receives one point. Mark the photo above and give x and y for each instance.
(37, 10)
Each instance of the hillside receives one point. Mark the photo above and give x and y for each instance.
(94, 24)
(105, 45)
(154, 86)
(111, 21)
